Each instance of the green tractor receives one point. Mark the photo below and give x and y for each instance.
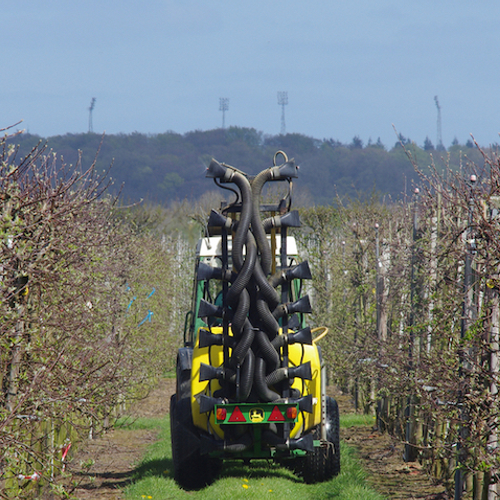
(251, 381)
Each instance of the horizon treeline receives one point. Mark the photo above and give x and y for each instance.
(167, 167)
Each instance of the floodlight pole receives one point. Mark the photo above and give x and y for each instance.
(439, 132)
(91, 108)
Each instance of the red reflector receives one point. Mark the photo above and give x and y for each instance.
(291, 412)
(237, 416)
(221, 414)
(276, 416)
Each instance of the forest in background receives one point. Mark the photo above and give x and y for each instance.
(168, 167)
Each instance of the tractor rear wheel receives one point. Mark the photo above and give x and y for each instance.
(324, 463)
(192, 471)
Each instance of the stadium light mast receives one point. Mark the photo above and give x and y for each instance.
(91, 108)
(439, 134)
(283, 101)
(223, 106)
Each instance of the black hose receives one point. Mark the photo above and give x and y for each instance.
(244, 223)
(267, 321)
(240, 351)
(279, 341)
(266, 289)
(271, 222)
(277, 376)
(257, 227)
(263, 391)
(240, 315)
(245, 273)
(280, 311)
(247, 375)
(267, 351)
(277, 279)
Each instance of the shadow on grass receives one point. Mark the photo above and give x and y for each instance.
(156, 467)
(113, 480)
(257, 469)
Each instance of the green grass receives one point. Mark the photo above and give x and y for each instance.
(153, 478)
(139, 423)
(355, 419)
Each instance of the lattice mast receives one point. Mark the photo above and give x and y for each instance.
(283, 101)
(223, 106)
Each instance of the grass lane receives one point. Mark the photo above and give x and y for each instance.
(153, 478)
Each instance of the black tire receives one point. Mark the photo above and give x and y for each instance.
(183, 373)
(192, 471)
(333, 432)
(324, 463)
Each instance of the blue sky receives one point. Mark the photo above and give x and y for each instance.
(350, 68)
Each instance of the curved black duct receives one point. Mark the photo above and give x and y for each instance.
(267, 351)
(260, 385)
(240, 351)
(265, 288)
(247, 375)
(246, 271)
(257, 227)
(240, 314)
(242, 234)
(266, 319)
